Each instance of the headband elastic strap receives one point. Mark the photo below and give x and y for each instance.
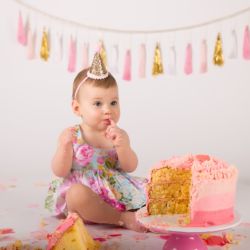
(79, 86)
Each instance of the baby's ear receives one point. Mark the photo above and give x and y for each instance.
(76, 107)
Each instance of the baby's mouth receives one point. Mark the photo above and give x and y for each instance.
(107, 121)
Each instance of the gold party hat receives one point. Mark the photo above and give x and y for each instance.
(97, 69)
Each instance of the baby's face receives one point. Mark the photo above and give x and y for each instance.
(97, 105)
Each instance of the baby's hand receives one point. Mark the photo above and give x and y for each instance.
(67, 137)
(118, 136)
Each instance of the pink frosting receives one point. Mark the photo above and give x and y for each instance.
(60, 230)
(203, 166)
(212, 218)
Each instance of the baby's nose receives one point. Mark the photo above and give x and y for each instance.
(107, 110)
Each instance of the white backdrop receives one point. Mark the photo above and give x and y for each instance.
(165, 116)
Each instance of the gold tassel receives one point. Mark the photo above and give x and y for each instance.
(44, 51)
(157, 64)
(103, 53)
(218, 58)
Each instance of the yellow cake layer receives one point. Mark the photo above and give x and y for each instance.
(167, 174)
(168, 206)
(169, 190)
(77, 238)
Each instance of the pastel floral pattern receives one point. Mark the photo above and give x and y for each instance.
(99, 170)
(83, 154)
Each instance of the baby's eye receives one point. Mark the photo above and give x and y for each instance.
(113, 103)
(98, 103)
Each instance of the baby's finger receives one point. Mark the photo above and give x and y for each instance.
(112, 123)
(112, 135)
(110, 128)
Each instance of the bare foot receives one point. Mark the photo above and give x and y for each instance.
(128, 220)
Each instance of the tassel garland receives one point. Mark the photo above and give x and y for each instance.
(53, 48)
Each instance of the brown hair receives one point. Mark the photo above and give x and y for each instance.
(103, 83)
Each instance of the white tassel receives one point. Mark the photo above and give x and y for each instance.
(233, 53)
(85, 55)
(31, 41)
(114, 59)
(58, 47)
(172, 61)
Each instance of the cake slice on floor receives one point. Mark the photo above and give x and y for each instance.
(71, 234)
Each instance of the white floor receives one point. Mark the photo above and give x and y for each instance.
(21, 209)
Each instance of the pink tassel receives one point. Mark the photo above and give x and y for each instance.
(31, 41)
(114, 59)
(188, 67)
(72, 55)
(85, 56)
(127, 66)
(203, 58)
(142, 61)
(21, 32)
(246, 44)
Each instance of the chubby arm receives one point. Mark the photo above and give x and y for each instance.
(127, 157)
(62, 160)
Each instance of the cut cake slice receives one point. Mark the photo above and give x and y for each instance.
(71, 234)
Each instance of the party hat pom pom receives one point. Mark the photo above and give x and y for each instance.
(188, 67)
(44, 51)
(157, 63)
(218, 58)
(246, 44)
(127, 66)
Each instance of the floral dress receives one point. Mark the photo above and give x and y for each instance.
(99, 170)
